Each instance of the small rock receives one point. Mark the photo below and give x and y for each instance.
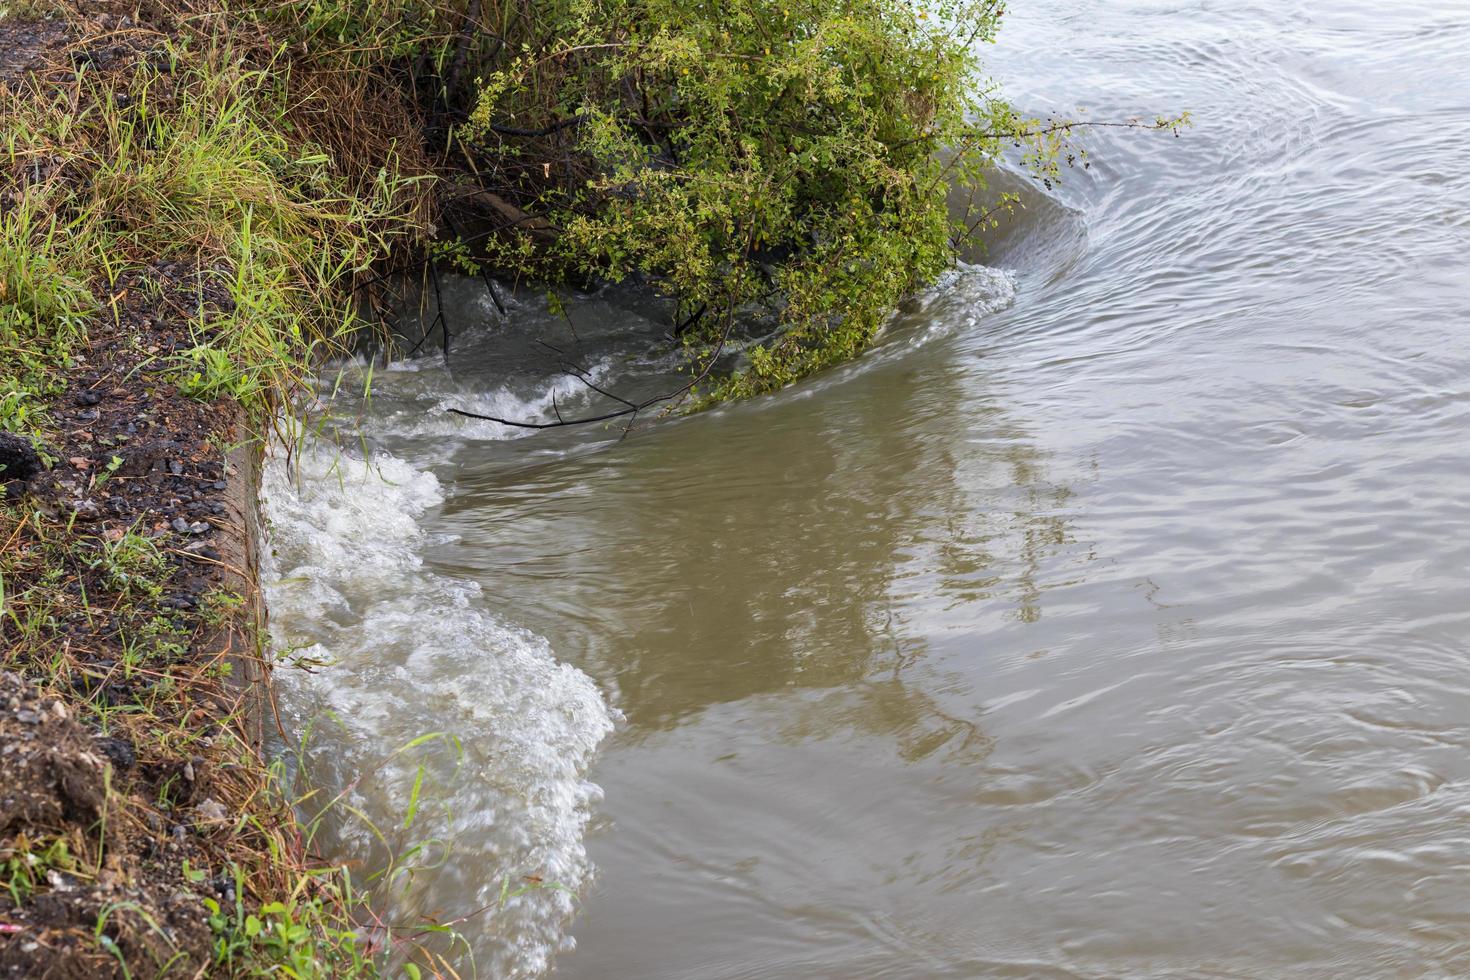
(180, 525)
(175, 467)
(88, 398)
(198, 527)
(212, 811)
(18, 458)
(121, 753)
(219, 484)
(27, 717)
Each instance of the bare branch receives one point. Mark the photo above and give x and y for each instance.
(632, 408)
(1058, 127)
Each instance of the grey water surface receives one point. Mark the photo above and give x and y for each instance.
(1111, 619)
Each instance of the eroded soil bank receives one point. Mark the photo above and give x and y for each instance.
(141, 832)
(131, 704)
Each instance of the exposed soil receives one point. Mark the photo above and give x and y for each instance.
(56, 772)
(129, 702)
(28, 45)
(132, 457)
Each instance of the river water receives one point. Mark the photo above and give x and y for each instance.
(1111, 619)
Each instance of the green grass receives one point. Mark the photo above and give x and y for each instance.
(206, 159)
(24, 864)
(44, 306)
(195, 160)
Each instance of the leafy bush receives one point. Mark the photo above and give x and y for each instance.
(755, 155)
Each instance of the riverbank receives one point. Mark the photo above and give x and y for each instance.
(178, 232)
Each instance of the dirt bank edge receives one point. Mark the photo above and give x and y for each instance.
(243, 638)
(142, 831)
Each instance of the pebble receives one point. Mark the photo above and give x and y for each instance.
(88, 398)
(212, 810)
(27, 716)
(175, 467)
(119, 751)
(180, 525)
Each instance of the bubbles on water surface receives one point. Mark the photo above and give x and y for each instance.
(411, 653)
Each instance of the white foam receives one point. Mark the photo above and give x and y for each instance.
(413, 402)
(551, 397)
(413, 652)
(962, 297)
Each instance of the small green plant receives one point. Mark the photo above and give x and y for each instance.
(302, 938)
(209, 373)
(25, 865)
(107, 472)
(219, 605)
(131, 564)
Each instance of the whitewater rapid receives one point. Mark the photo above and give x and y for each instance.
(398, 653)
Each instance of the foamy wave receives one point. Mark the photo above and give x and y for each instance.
(503, 403)
(412, 399)
(963, 296)
(413, 652)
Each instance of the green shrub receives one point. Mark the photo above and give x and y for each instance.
(776, 158)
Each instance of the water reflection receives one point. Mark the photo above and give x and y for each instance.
(1082, 638)
(769, 546)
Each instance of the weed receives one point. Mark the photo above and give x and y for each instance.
(25, 864)
(300, 937)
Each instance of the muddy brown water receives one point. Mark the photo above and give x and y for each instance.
(1109, 620)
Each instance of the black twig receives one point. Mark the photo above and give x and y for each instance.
(581, 374)
(439, 317)
(484, 275)
(631, 408)
(682, 328)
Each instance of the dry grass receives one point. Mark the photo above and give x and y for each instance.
(186, 209)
